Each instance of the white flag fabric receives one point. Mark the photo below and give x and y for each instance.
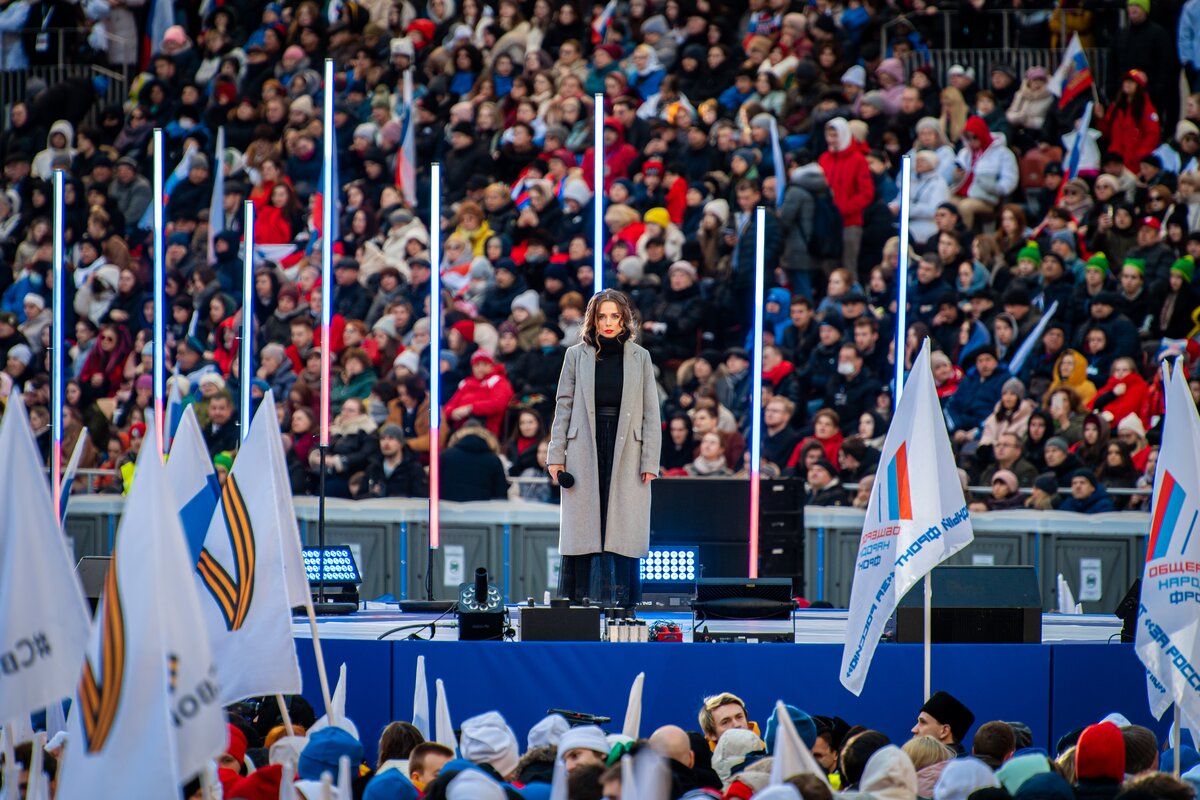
(558, 783)
(43, 616)
(194, 482)
(420, 716)
(1166, 640)
(443, 727)
(337, 703)
(299, 593)
(1072, 58)
(791, 755)
(121, 735)
(240, 574)
(633, 710)
(916, 519)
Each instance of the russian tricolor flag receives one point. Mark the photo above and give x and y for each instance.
(601, 23)
(1073, 76)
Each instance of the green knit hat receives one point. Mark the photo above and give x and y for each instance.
(1098, 261)
(1186, 267)
(1030, 251)
(1137, 263)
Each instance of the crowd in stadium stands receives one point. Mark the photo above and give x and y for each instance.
(726, 755)
(694, 92)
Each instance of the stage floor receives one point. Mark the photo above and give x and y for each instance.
(384, 621)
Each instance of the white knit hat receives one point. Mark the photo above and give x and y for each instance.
(527, 300)
(487, 739)
(548, 731)
(585, 737)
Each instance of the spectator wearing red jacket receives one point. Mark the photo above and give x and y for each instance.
(1125, 393)
(1131, 124)
(618, 155)
(484, 394)
(850, 181)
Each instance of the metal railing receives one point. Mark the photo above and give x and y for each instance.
(943, 52)
(14, 83)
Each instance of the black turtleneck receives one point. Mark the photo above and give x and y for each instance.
(610, 374)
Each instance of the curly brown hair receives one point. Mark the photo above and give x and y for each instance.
(587, 332)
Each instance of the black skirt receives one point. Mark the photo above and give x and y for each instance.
(606, 579)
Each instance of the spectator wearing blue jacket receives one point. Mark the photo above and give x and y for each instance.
(1088, 496)
(976, 396)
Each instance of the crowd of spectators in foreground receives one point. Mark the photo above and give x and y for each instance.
(692, 90)
(723, 753)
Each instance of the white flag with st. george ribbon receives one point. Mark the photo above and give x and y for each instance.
(194, 482)
(128, 733)
(43, 616)
(241, 572)
(1166, 640)
(916, 519)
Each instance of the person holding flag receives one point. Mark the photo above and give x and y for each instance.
(916, 519)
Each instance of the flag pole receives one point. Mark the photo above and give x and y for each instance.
(901, 341)
(159, 347)
(760, 224)
(435, 367)
(1175, 727)
(57, 343)
(246, 359)
(598, 194)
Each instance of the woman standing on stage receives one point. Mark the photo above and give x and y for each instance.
(607, 436)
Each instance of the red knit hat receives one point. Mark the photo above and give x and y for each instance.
(1100, 754)
(262, 784)
(465, 328)
(237, 743)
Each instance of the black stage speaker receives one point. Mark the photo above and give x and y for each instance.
(744, 599)
(781, 531)
(974, 605)
(560, 624)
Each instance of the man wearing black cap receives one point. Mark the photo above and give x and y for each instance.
(822, 363)
(1016, 301)
(466, 158)
(1058, 286)
(350, 298)
(824, 488)
(394, 470)
(130, 191)
(733, 389)
(946, 719)
(976, 395)
(1122, 335)
(1088, 496)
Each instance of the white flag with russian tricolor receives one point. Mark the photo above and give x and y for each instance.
(916, 518)
(1166, 639)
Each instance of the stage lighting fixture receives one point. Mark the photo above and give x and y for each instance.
(669, 575)
(342, 578)
(480, 609)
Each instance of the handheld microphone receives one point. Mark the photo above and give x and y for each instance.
(566, 480)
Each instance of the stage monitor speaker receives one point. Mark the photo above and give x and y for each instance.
(975, 605)
(556, 624)
(92, 571)
(744, 599)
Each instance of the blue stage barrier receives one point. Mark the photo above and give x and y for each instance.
(369, 700)
(1052, 688)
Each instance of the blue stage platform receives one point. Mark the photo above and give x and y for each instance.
(1052, 687)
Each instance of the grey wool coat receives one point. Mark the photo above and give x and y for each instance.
(573, 444)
